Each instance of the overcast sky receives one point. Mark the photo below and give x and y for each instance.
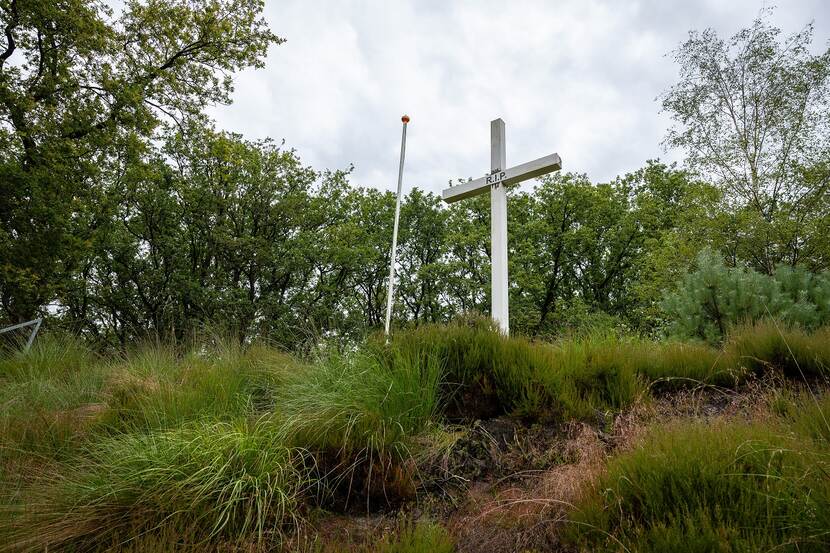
(575, 77)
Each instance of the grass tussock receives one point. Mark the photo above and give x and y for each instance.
(348, 403)
(210, 481)
(358, 416)
(486, 374)
(797, 354)
(735, 486)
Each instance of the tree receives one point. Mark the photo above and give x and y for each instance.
(214, 229)
(753, 115)
(373, 214)
(468, 257)
(585, 253)
(421, 257)
(679, 216)
(713, 298)
(76, 86)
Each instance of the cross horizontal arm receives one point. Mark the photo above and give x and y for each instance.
(513, 175)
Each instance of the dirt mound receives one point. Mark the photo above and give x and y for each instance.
(524, 512)
(491, 451)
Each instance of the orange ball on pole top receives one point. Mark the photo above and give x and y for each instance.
(405, 119)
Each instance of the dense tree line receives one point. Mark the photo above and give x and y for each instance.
(125, 212)
(210, 228)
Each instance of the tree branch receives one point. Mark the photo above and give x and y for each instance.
(10, 43)
(144, 81)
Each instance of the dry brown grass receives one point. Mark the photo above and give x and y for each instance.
(80, 416)
(340, 532)
(525, 514)
(122, 384)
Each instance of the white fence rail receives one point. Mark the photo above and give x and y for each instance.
(35, 323)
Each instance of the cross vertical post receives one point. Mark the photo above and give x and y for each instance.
(498, 229)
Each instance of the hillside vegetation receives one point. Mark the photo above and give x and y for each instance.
(166, 447)
(665, 388)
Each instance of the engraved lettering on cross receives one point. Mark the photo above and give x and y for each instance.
(495, 178)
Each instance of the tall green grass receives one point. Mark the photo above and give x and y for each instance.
(48, 396)
(797, 354)
(207, 481)
(734, 486)
(221, 442)
(348, 403)
(65, 408)
(51, 356)
(58, 394)
(358, 417)
(168, 457)
(158, 386)
(577, 377)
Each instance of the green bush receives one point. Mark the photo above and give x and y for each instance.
(713, 299)
(694, 487)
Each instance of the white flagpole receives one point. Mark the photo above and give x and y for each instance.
(390, 291)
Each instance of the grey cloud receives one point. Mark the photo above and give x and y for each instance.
(576, 77)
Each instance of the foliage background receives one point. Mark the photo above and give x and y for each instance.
(126, 213)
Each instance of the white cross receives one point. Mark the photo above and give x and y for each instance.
(496, 182)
